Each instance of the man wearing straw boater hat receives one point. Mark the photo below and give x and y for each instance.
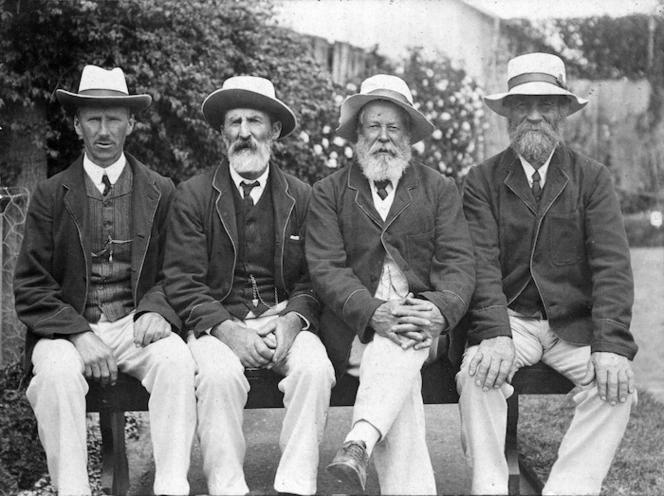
(554, 284)
(88, 287)
(236, 274)
(390, 255)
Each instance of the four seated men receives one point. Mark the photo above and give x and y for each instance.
(359, 277)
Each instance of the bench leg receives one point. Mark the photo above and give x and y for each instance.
(511, 453)
(115, 469)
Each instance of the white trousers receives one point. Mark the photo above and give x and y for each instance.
(390, 399)
(221, 392)
(586, 451)
(57, 395)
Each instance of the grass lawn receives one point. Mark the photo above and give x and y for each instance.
(638, 468)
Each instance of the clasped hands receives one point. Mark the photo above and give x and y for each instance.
(493, 365)
(263, 347)
(98, 360)
(409, 322)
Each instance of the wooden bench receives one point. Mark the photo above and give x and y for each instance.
(438, 387)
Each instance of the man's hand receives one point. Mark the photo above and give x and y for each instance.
(384, 320)
(150, 327)
(285, 329)
(245, 342)
(493, 363)
(613, 375)
(420, 321)
(98, 360)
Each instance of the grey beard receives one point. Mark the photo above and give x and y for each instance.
(379, 168)
(250, 161)
(535, 145)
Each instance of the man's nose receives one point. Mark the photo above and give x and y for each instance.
(383, 136)
(104, 128)
(245, 132)
(534, 115)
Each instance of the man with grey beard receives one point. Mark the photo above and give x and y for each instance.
(554, 284)
(236, 273)
(390, 256)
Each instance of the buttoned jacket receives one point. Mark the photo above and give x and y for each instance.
(425, 233)
(201, 253)
(52, 274)
(573, 244)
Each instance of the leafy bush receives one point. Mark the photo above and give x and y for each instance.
(21, 454)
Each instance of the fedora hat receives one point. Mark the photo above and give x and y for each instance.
(535, 74)
(388, 88)
(248, 92)
(101, 87)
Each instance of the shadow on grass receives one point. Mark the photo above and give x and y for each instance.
(638, 468)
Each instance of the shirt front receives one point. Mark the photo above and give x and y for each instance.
(96, 173)
(256, 191)
(530, 170)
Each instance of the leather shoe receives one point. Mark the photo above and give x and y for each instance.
(350, 464)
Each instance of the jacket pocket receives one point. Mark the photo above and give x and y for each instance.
(566, 238)
(420, 249)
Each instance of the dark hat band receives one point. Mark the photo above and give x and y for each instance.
(394, 95)
(535, 77)
(102, 92)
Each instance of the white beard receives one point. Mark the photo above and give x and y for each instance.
(383, 166)
(250, 162)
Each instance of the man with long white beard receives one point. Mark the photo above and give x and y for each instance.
(236, 273)
(390, 256)
(554, 284)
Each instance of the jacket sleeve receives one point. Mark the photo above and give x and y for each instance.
(610, 265)
(336, 283)
(452, 273)
(487, 316)
(39, 299)
(186, 263)
(154, 300)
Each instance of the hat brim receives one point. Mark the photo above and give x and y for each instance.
(74, 100)
(421, 128)
(221, 101)
(496, 102)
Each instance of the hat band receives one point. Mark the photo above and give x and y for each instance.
(535, 77)
(395, 95)
(100, 92)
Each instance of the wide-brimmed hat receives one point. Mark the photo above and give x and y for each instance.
(248, 92)
(101, 87)
(382, 87)
(535, 74)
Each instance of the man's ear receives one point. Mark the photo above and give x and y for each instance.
(77, 127)
(130, 126)
(276, 130)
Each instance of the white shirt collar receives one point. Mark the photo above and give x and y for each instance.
(383, 206)
(257, 191)
(95, 172)
(530, 170)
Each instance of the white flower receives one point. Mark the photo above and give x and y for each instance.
(656, 219)
(332, 163)
(348, 152)
(441, 166)
(338, 99)
(429, 73)
(419, 147)
(304, 137)
(437, 134)
(429, 105)
(442, 85)
(325, 142)
(334, 155)
(326, 129)
(446, 116)
(318, 149)
(465, 126)
(339, 141)
(425, 82)
(399, 70)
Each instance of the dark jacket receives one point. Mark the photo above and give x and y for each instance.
(574, 245)
(425, 233)
(201, 248)
(53, 268)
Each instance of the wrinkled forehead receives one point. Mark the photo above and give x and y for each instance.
(246, 113)
(383, 111)
(531, 100)
(99, 110)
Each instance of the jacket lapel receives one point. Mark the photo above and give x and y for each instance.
(283, 205)
(556, 179)
(516, 179)
(402, 196)
(363, 198)
(222, 184)
(76, 202)
(145, 201)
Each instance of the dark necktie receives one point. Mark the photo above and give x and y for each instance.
(247, 200)
(381, 188)
(537, 189)
(107, 184)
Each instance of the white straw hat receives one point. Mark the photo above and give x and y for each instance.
(248, 92)
(535, 74)
(101, 87)
(388, 88)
